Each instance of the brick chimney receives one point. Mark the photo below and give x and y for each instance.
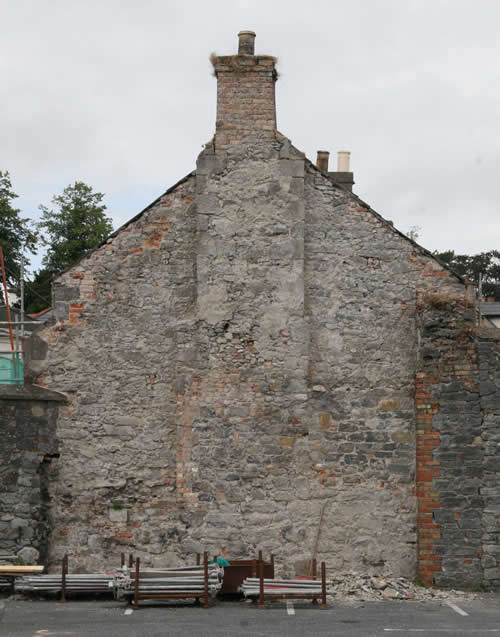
(246, 107)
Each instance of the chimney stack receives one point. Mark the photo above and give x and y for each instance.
(343, 177)
(322, 160)
(246, 44)
(246, 107)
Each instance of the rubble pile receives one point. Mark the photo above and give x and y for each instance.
(370, 588)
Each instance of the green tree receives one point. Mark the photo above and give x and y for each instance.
(38, 291)
(485, 263)
(17, 235)
(77, 225)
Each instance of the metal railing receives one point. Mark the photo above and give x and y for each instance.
(11, 368)
(12, 360)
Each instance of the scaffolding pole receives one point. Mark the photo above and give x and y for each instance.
(22, 299)
(6, 295)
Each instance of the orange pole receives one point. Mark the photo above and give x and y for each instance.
(6, 299)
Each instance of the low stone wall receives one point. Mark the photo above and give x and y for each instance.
(28, 444)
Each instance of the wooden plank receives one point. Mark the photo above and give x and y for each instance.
(7, 569)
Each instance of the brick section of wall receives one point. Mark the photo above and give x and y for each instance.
(449, 452)
(246, 106)
(427, 469)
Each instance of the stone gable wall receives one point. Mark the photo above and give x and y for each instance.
(237, 360)
(124, 323)
(362, 280)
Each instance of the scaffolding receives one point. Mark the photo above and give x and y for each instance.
(12, 360)
(12, 345)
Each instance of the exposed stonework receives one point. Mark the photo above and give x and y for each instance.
(238, 356)
(27, 451)
(119, 431)
(449, 454)
(489, 443)
(258, 345)
(364, 283)
(458, 433)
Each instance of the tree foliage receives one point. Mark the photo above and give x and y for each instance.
(77, 225)
(38, 292)
(485, 263)
(17, 235)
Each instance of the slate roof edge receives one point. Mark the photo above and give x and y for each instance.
(126, 224)
(309, 163)
(389, 224)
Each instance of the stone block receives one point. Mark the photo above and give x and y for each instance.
(66, 293)
(118, 515)
(28, 555)
(292, 167)
(492, 573)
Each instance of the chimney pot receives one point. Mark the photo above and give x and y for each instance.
(343, 160)
(322, 160)
(343, 176)
(246, 43)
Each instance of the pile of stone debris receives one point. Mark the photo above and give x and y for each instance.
(369, 588)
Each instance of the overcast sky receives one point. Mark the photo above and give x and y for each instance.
(119, 94)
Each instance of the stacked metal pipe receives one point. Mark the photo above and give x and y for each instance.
(9, 560)
(6, 558)
(174, 581)
(83, 583)
(250, 587)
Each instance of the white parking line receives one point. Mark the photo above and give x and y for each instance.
(457, 609)
(129, 611)
(43, 632)
(289, 608)
(427, 631)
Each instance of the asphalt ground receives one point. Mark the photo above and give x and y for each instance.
(106, 618)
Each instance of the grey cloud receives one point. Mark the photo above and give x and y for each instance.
(120, 94)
